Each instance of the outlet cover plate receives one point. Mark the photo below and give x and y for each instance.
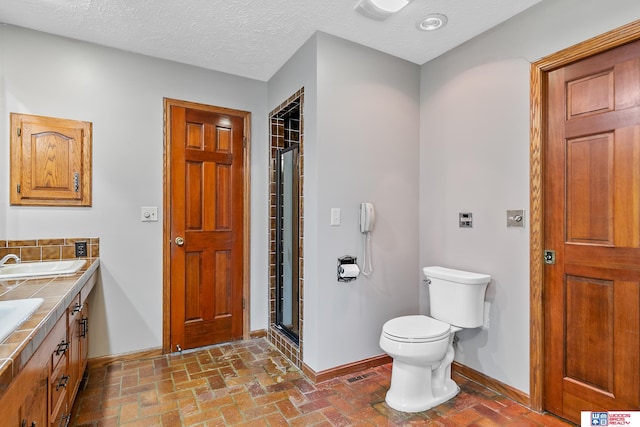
(81, 249)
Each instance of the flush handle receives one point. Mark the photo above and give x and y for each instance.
(179, 241)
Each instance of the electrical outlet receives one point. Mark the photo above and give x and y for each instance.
(81, 249)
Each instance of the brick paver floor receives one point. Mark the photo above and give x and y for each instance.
(249, 383)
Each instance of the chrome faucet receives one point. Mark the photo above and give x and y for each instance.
(8, 257)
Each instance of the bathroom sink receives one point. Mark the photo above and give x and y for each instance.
(14, 312)
(43, 268)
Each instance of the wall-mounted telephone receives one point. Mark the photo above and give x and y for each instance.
(367, 221)
(367, 217)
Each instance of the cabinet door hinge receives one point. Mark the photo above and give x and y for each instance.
(18, 131)
(18, 188)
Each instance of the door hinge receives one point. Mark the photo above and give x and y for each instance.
(244, 141)
(243, 303)
(18, 188)
(18, 131)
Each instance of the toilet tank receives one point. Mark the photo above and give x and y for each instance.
(456, 296)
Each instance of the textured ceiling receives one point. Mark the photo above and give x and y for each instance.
(253, 38)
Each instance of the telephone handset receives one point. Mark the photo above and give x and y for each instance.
(367, 217)
(367, 221)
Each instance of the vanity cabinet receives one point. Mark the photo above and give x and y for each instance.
(25, 402)
(44, 390)
(50, 161)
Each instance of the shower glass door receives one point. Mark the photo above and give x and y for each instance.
(287, 242)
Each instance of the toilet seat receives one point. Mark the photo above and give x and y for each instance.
(416, 329)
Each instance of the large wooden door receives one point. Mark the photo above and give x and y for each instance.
(206, 207)
(592, 221)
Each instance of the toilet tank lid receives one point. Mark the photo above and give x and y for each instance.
(458, 276)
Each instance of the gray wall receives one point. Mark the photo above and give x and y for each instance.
(474, 156)
(367, 151)
(361, 144)
(122, 94)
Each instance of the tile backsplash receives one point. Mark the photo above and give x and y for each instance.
(49, 249)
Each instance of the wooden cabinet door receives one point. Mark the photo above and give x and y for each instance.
(34, 407)
(50, 161)
(25, 402)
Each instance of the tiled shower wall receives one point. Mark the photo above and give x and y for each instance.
(283, 134)
(48, 249)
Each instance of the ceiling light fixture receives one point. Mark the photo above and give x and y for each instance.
(380, 9)
(431, 22)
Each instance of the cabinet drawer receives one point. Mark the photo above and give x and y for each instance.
(59, 343)
(59, 383)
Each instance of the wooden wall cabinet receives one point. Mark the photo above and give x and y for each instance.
(50, 161)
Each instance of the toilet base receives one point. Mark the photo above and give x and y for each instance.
(412, 389)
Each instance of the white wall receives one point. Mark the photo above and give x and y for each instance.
(122, 94)
(367, 150)
(474, 133)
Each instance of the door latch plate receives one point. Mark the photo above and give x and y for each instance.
(549, 257)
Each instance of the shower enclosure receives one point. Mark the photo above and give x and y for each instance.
(286, 254)
(287, 242)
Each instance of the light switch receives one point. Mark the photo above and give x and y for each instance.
(335, 216)
(149, 214)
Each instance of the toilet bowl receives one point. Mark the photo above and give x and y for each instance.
(422, 346)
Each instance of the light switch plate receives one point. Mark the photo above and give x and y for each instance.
(335, 216)
(149, 214)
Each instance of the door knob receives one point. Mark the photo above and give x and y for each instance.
(179, 241)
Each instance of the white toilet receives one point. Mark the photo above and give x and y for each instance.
(422, 346)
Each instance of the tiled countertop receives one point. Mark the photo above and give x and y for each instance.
(58, 292)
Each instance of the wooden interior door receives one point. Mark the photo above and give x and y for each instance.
(592, 221)
(207, 229)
